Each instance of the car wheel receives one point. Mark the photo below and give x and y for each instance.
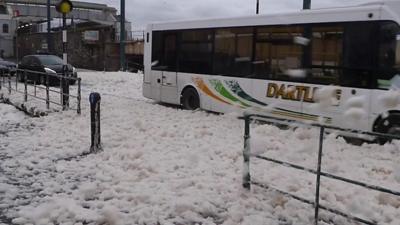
(190, 99)
(42, 80)
(20, 77)
(354, 141)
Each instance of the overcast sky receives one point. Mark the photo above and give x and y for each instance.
(142, 12)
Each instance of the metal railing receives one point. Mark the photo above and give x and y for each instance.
(136, 35)
(247, 182)
(41, 81)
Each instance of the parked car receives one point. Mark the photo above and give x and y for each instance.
(4, 71)
(7, 67)
(50, 64)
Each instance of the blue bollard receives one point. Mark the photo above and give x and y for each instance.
(94, 100)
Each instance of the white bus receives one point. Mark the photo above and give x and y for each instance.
(278, 62)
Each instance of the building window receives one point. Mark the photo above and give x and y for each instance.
(3, 9)
(5, 28)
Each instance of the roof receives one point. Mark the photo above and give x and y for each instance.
(334, 14)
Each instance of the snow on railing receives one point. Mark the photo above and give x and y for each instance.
(35, 83)
(247, 181)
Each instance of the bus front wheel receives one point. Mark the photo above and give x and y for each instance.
(389, 125)
(190, 99)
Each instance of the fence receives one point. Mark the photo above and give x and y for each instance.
(137, 35)
(247, 182)
(36, 80)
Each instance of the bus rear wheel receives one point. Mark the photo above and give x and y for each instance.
(190, 99)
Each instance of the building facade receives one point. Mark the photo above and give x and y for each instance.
(7, 31)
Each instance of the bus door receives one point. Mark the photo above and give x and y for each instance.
(169, 89)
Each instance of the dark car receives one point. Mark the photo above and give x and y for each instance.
(7, 67)
(4, 71)
(50, 64)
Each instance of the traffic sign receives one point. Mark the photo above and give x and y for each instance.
(64, 7)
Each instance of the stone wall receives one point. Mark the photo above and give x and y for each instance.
(97, 55)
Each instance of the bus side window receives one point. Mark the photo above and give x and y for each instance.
(156, 52)
(169, 53)
(195, 51)
(224, 51)
(285, 54)
(388, 54)
(359, 54)
(164, 53)
(326, 54)
(243, 56)
(262, 60)
(233, 52)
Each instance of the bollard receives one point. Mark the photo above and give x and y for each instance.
(16, 82)
(246, 154)
(79, 97)
(9, 84)
(26, 87)
(47, 92)
(318, 186)
(94, 100)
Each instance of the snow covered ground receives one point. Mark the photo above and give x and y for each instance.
(163, 165)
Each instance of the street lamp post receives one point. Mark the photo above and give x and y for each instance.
(307, 33)
(16, 39)
(65, 7)
(48, 26)
(122, 37)
(258, 6)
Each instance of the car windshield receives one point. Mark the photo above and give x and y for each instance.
(50, 60)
